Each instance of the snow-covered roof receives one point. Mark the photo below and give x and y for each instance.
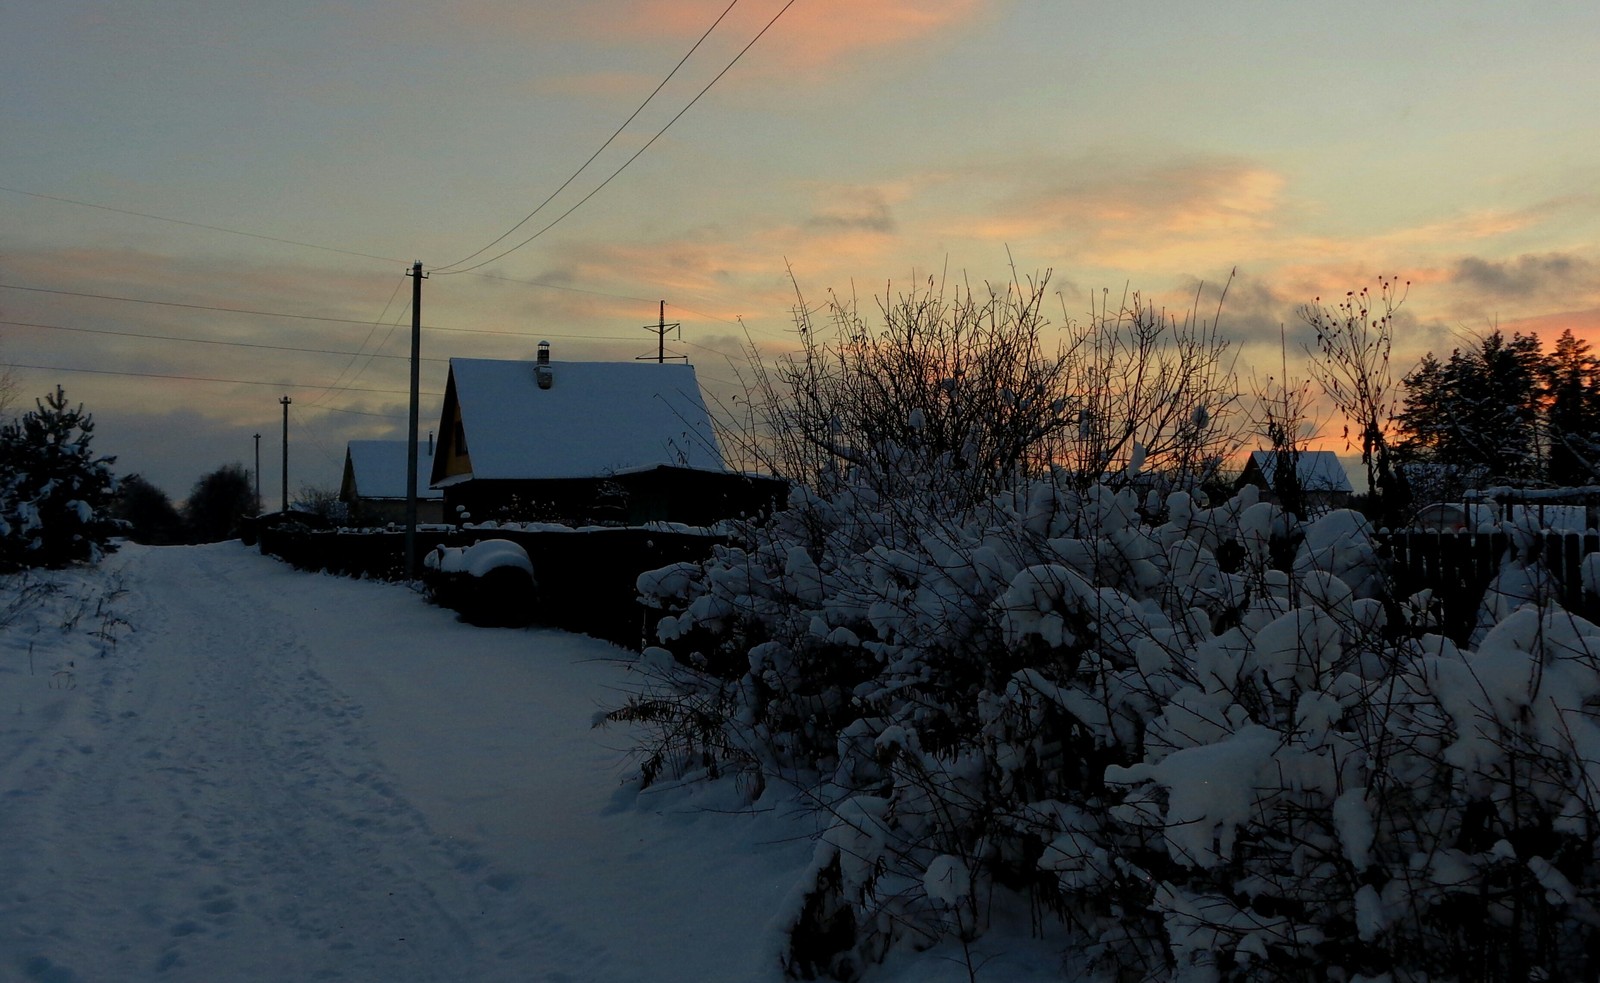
(379, 468)
(594, 419)
(1318, 470)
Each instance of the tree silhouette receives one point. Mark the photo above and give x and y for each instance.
(217, 502)
(55, 493)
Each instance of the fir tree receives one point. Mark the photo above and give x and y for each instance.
(1572, 377)
(1476, 417)
(55, 494)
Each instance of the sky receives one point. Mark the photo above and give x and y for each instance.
(206, 207)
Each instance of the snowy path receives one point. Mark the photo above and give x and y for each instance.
(280, 776)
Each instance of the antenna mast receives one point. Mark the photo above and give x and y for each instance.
(660, 329)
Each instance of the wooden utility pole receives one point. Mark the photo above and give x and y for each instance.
(258, 474)
(660, 328)
(285, 401)
(417, 277)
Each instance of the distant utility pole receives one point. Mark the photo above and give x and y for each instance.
(660, 328)
(285, 401)
(258, 474)
(417, 276)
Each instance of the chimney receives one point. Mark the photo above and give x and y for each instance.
(541, 368)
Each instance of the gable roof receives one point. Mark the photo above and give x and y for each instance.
(595, 419)
(377, 469)
(1319, 471)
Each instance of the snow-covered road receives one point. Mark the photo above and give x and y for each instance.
(282, 776)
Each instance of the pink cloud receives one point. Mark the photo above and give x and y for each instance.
(1585, 324)
(810, 35)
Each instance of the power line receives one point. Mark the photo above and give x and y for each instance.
(381, 416)
(302, 317)
(197, 225)
(592, 292)
(194, 307)
(638, 153)
(193, 378)
(200, 341)
(574, 176)
(310, 245)
(555, 286)
(365, 341)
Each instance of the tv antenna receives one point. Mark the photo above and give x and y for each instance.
(660, 328)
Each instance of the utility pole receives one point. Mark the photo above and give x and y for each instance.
(285, 401)
(417, 276)
(258, 474)
(660, 329)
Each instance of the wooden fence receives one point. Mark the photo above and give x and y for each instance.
(584, 577)
(1458, 566)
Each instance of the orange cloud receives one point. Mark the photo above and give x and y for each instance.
(1101, 203)
(1585, 324)
(810, 35)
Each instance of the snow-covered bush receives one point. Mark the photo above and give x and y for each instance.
(55, 494)
(1203, 736)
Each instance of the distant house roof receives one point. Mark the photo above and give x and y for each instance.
(1319, 471)
(377, 469)
(594, 419)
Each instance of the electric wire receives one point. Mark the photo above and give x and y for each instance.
(636, 155)
(310, 431)
(197, 378)
(198, 225)
(202, 341)
(364, 342)
(399, 282)
(381, 416)
(489, 276)
(574, 176)
(305, 317)
(194, 307)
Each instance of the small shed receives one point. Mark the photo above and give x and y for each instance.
(1323, 481)
(374, 484)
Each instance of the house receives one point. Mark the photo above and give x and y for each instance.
(374, 483)
(584, 443)
(1323, 481)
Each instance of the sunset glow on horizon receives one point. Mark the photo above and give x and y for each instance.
(291, 159)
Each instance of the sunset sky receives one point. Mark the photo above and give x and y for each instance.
(291, 157)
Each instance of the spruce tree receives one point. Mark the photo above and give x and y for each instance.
(1573, 381)
(55, 494)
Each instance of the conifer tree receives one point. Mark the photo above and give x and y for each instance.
(55, 493)
(1573, 381)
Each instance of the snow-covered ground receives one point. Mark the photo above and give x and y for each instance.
(213, 767)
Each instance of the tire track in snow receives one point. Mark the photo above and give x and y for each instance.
(222, 789)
